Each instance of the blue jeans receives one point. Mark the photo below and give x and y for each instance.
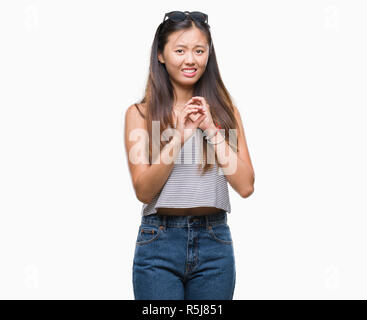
(184, 258)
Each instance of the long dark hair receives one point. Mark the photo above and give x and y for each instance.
(159, 94)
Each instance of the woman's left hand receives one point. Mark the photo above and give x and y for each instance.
(207, 123)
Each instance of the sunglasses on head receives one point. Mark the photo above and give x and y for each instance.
(178, 16)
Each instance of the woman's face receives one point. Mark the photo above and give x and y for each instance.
(185, 49)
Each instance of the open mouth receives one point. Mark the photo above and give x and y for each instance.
(189, 72)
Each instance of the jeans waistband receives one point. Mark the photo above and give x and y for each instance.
(185, 221)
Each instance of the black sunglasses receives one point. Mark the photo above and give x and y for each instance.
(178, 16)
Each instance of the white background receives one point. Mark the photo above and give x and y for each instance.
(68, 213)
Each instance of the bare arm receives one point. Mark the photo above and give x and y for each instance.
(237, 167)
(148, 179)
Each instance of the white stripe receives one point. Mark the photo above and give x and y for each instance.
(186, 188)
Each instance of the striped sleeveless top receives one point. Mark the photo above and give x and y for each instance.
(187, 187)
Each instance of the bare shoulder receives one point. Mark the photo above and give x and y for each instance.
(236, 111)
(136, 142)
(135, 127)
(141, 108)
(135, 115)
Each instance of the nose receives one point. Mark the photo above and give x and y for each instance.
(189, 58)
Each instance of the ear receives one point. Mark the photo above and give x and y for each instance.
(160, 58)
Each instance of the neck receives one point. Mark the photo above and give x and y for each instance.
(182, 94)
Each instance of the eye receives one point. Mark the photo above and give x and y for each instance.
(202, 51)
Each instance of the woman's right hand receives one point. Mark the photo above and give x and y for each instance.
(184, 124)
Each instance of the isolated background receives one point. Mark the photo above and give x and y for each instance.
(68, 213)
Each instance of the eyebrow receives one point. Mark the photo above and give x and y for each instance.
(182, 45)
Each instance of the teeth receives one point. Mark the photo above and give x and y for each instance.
(189, 70)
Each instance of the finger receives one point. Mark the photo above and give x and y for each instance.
(199, 119)
(193, 99)
(189, 111)
(194, 105)
(188, 114)
(201, 99)
(195, 111)
(197, 97)
(193, 108)
(190, 100)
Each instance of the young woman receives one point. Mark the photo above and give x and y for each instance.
(181, 158)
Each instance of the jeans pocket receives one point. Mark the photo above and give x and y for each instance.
(221, 233)
(147, 234)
